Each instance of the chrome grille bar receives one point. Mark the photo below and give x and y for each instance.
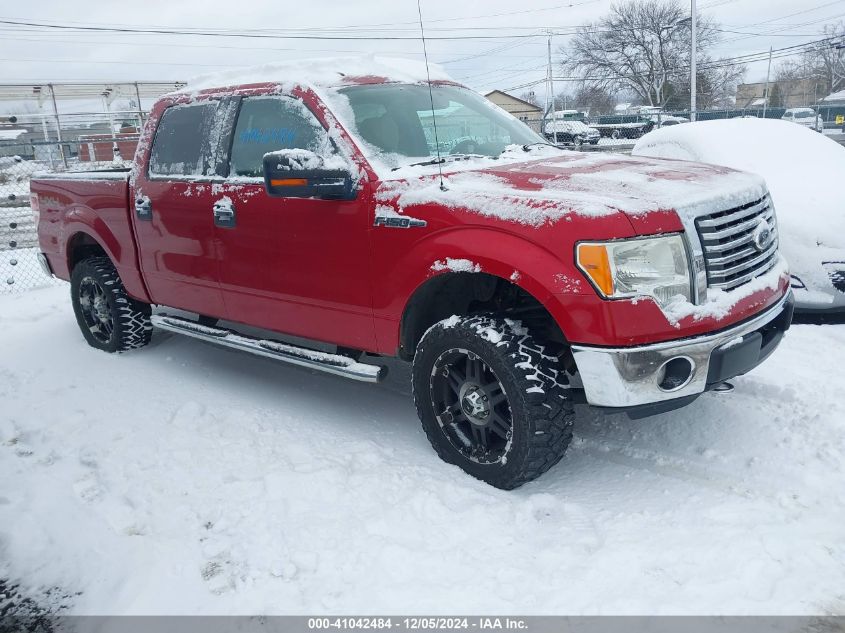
(731, 257)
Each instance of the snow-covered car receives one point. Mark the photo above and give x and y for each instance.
(803, 172)
(572, 133)
(668, 120)
(6, 161)
(806, 117)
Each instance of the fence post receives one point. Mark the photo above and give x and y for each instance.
(58, 125)
(140, 109)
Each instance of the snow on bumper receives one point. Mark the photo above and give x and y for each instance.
(634, 376)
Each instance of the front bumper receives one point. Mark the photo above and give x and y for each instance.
(670, 374)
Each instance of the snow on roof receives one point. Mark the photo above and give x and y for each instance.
(11, 135)
(321, 72)
(835, 96)
(622, 107)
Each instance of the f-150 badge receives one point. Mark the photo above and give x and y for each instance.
(398, 222)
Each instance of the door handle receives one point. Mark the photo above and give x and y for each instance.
(224, 213)
(143, 208)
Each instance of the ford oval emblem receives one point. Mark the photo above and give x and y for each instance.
(762, 236)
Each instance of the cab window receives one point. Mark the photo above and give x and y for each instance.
(267, 124)
(181, 144)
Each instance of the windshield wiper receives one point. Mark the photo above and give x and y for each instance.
(444, 159)
(527, 146)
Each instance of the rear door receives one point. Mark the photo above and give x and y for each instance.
(172, 204)
(293, 265)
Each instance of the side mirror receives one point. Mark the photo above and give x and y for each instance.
(300, 173)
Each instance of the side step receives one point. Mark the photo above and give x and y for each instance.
(321, 361)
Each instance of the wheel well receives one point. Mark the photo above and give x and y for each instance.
(82, 246)
(472, 293)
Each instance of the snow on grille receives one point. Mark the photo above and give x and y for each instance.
(739, 244)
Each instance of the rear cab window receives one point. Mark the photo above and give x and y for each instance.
(182, 145)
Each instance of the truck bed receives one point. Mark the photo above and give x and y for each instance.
(87, 209)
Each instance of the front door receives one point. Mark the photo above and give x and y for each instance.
(293, 265)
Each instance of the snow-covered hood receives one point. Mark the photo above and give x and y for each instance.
(536, 192)
(802, 168)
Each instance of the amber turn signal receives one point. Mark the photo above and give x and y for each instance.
(593, 260)
(289, 182)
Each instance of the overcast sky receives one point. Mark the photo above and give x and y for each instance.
(29, 55)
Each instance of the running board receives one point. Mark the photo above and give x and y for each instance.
(321, 361)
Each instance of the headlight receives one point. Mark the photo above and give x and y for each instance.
(655, 267)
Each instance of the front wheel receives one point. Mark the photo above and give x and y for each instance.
(109, 318)
(491, 400)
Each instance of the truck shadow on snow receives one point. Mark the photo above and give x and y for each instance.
(668, 445)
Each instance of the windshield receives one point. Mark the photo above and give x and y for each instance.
(396, 120)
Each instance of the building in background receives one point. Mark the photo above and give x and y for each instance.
(834, 99)
(786, 93)
(526, 112)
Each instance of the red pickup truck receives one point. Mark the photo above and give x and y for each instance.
(329, 218)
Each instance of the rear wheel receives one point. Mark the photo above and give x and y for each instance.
(490, 400)
(109, 319)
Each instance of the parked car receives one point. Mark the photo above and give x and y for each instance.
(303, 201)
(624, 130)
(806, 117)
(805, 192)
(669, 120)
(571, 133)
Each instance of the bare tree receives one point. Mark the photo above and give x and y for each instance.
(529, 97)
(642, 46)
(715, 86)
(595, 99)
(825, 62)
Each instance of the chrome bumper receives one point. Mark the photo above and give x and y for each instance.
(626, 377)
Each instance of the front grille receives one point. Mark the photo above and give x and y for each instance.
(731, 256)
(836, 272)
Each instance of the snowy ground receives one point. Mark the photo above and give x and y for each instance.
(185, 478)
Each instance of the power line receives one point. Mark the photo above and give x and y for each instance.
(297, 35)
(785, 51)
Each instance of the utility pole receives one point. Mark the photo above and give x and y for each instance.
(766, 92)
(546, 104)
(552, 83)
(693, 72)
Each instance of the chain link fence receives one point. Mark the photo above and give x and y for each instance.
(19, 266)
(58, 127)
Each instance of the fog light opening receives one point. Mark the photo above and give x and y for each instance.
(675, 373)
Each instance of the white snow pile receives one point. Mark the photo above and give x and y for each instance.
(185, 478)
(803, 170)
(568, 183)
(456, 265)
(319, 72)
(296, 159)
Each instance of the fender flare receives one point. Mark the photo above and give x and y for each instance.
(527, 265)
(81, 220)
